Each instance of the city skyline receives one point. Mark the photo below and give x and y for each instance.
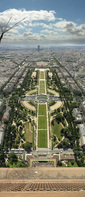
(45, 22)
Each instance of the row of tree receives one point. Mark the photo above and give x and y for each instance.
(71, 132)
(18, 114)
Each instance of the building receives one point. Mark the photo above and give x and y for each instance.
(6, 115)
(2, 131)
(66, 157)
(34, 161)
(33, 75)
(38, 47)
(83, 107)
(82, 133)
(1, 105)
(50, 75)
(77, 115)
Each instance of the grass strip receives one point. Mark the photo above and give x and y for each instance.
(42, 109)
(42, 138)
(42, 122)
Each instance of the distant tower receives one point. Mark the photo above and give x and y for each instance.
(38, 47)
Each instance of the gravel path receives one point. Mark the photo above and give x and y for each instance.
(28, 106)
(56, 105)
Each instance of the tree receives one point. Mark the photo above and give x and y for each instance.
(12, 158)
(54, 138)
(52, 122)
(27, 146)
(4, 27)
(83, 149)
(59, 117)
(60, 163)
(64, 143)
(72, 162)
(2, 157)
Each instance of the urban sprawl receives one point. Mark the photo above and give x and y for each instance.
(42, 107)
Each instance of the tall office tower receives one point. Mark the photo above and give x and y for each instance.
(38, 47)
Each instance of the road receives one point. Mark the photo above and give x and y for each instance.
(41, 100)
(48, 152)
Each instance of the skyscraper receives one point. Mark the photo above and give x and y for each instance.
(38, 47)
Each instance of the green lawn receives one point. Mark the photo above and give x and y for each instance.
(57, 130)
(42, 87)
(41, 75)
(42, 138)
(28, 132)
(42, 122)
(42, 98)
(70, 165)
(42, 109)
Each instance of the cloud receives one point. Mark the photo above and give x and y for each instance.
(30, 16)
(70, 27)
(40, 27)
(49, 32)
(40, 38)
(44, 25)
(63, 25)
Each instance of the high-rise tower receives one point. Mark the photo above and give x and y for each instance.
(38, 47)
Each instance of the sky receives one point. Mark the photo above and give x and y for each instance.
(48, 22)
